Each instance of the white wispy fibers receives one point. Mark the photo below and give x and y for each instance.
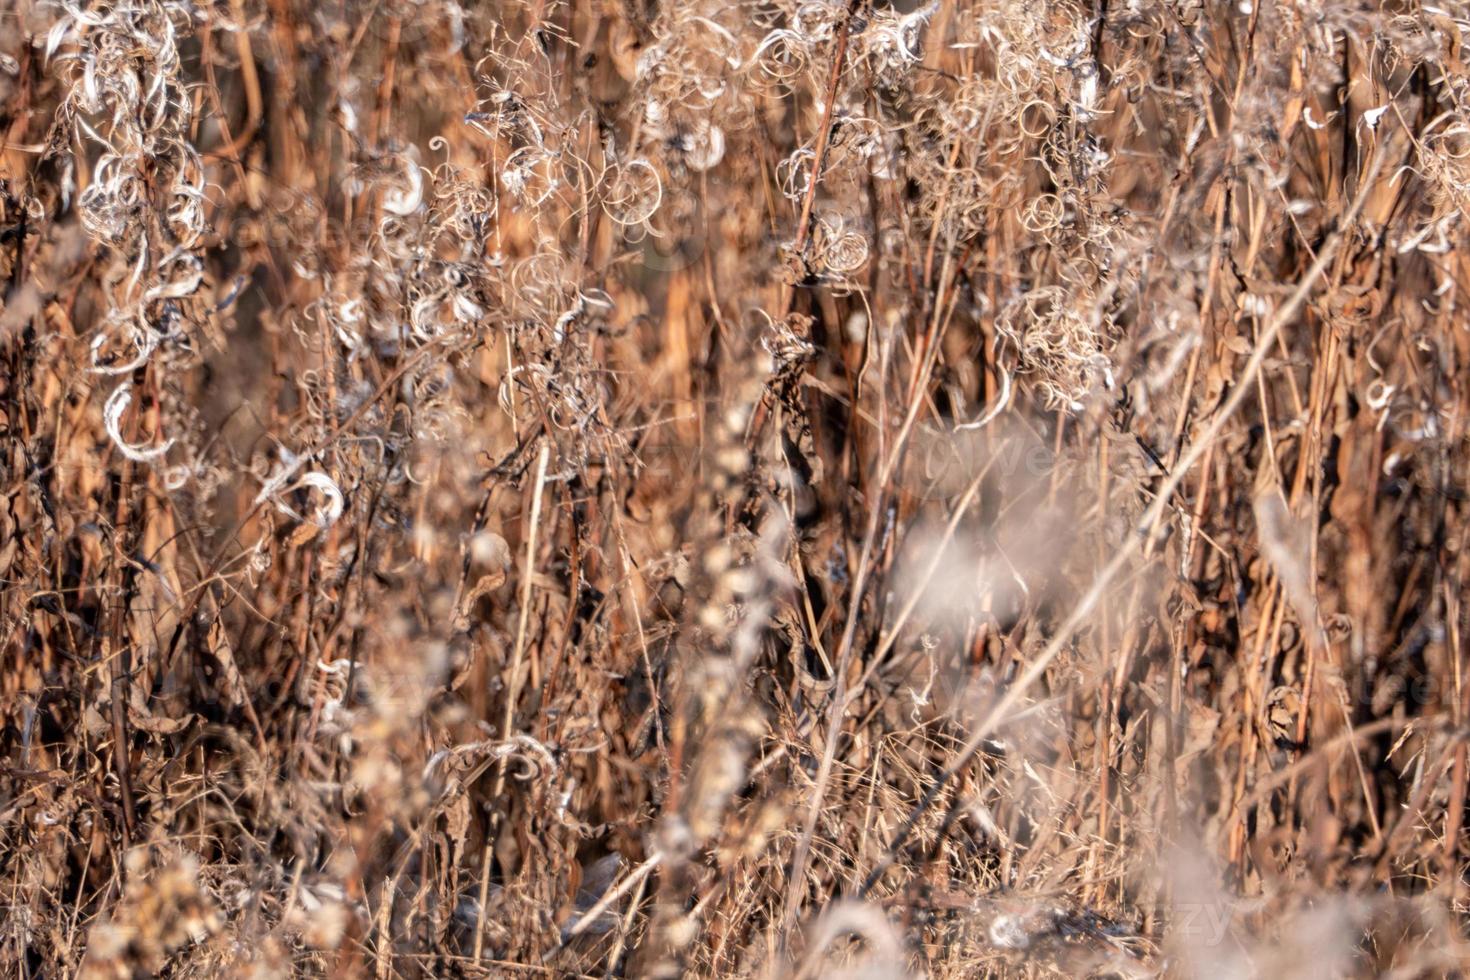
(112, 415)
(326, 515)
(279, 483)
(405, 197)
(144, 342)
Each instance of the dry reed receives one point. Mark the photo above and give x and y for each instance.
(786, 489)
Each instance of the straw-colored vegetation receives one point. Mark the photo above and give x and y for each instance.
(779, 489)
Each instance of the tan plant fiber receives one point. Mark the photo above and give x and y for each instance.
(812, 488)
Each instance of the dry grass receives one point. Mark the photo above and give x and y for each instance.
(779, 489)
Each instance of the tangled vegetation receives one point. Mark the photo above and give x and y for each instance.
(779, 489)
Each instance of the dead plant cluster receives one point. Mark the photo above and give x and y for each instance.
(780, 489)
